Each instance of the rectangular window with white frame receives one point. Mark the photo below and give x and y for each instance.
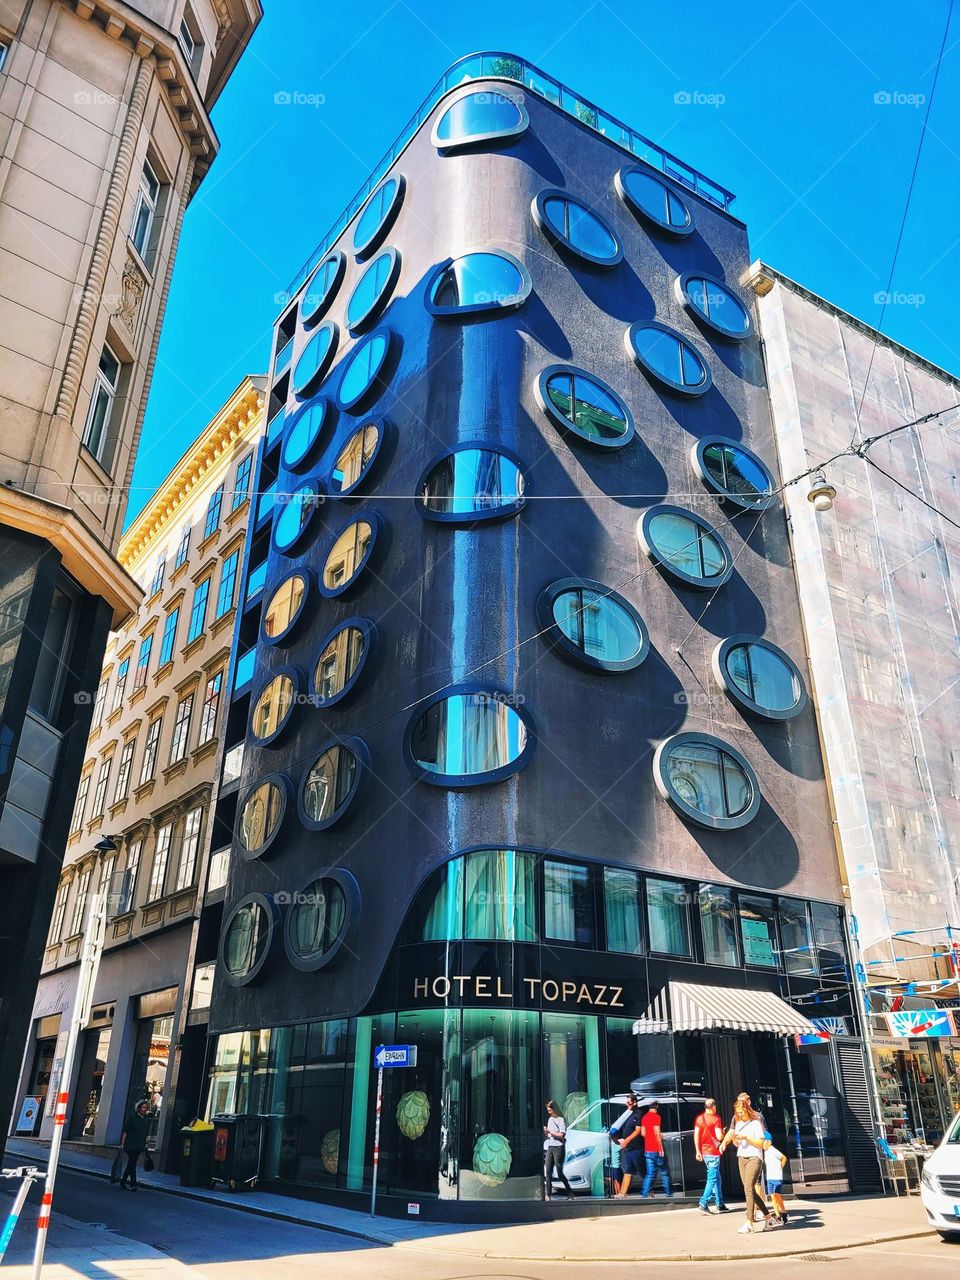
(211, 708)
(161, 856)
(198, 614)
(120, 688)
(189, 848)
(183, 548)
(241, 485)
(228, 583)
(128, 890)
(59, 912)
(80, 804)
(145, 210)
(99, 704)
(181, 729)
(97, 429)
(143, 662)
(158, 575)
(148, 766)
(100, 794)
(124, 770)
(190, 40)
(80, 903)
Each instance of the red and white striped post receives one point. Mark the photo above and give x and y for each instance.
(86, 979)
(376, 1145)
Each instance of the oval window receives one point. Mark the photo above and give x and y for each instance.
(303, 432)
(472, 484)
(273, 708)
(759, 676)
(579, 403)
(285, 608)
(707, 781)
(569, 222)
(246, 940)
(592, 625)
(318, 920)
(662, 352)
(685, 545)
(293, 515)
(373, 290)
(653, 199)
(321, 287)
(341, 660)
(478, 116)
(715, 303)
(733, 472)
(378, 215)
(260, 816)
(355, 460)
(362, 368)
(315, 359)
(347, 557)
(478, 282)
(468, 738)
(330, 784)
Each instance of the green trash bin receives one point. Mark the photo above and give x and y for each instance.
(196, 1156)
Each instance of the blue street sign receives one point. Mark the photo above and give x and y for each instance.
(395, 1055)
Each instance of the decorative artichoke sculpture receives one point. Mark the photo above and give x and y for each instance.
(492, 1158)
(330, 1150)
(413, 1114)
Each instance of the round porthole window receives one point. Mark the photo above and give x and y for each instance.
(348, 555)
(273, 707)
(330, 783)
(478, 115)
(567, 222)
(373, 290)
(592, 626)
(760, 677)
(362, 369)
(715, 304)
(315, 359)
(342, 658)
(471, 483)
(663, 353)
(261, 815)
(468, 737)
(294, 512)
(707, 781)
(285, 608)
(478, 282)
(685, 545)
(653, 200)
(378, 215)
(247, 940)
(355, 460)
(321, 287)
(733, 473)
(303, 432)
(582, 405)
(320, 916)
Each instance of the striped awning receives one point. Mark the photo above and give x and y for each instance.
(687, 1006)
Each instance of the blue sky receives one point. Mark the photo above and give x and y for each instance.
(810, 112)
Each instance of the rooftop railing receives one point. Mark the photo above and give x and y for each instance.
(507, 66)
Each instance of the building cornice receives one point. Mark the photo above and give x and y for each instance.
(84, 557)
(240, 419)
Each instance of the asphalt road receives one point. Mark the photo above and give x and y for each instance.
(227, 1244)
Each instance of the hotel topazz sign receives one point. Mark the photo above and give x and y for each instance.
(467, 987)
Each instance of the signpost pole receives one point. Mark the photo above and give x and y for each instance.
(376, 1145)
(29, 1176)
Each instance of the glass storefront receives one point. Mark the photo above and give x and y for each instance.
(148, 1075)
(918, 1084)
(93, 1065)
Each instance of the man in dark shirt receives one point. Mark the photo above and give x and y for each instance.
(624, 1132)
(134, 1142)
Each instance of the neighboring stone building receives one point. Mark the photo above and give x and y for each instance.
(105, 134)
(147, 782)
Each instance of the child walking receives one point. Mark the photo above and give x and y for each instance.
(774, 1167)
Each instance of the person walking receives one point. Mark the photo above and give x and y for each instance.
(774, 1166)
(747, 1131)
(624, 1132)
(653, 1151)
(133, 1140)
(554, 1149)
(707, 1136)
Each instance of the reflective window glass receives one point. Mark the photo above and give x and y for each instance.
(598, 625)
(354, 459)
(376, 213)
(314, 359)
(246, 939)
(478, 281)
(501, 897)
(362, 367)
(372, 290)
(293, 516)
(303, 432)
(273, 707)
(796, 937)
(579, 228)
(591, 409)
(735, 471)
(622, 910)
(568, 914)
(758, 931)
(472, 482)
(328, 783)
(321, 287)
(318, 915)
(283, 606)
(338, 662)
(668, 356)
(667, 917)
(260, 816)
(718, 925)
(468, 733)
(347, 555)
(654, 198)
(717, 304)
(762, 675)
(685, 545)
(477, 116)
(708, 779)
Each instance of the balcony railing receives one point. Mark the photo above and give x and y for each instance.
(507, 66)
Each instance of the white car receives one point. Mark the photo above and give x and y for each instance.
(940, 1184)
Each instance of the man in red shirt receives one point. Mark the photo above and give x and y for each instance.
(653, 1150)
(707, 1135)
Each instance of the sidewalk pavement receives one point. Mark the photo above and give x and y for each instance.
(675, 1235)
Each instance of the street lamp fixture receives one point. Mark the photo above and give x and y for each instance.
(821, 494)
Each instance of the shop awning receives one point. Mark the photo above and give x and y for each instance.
(687, 1006)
